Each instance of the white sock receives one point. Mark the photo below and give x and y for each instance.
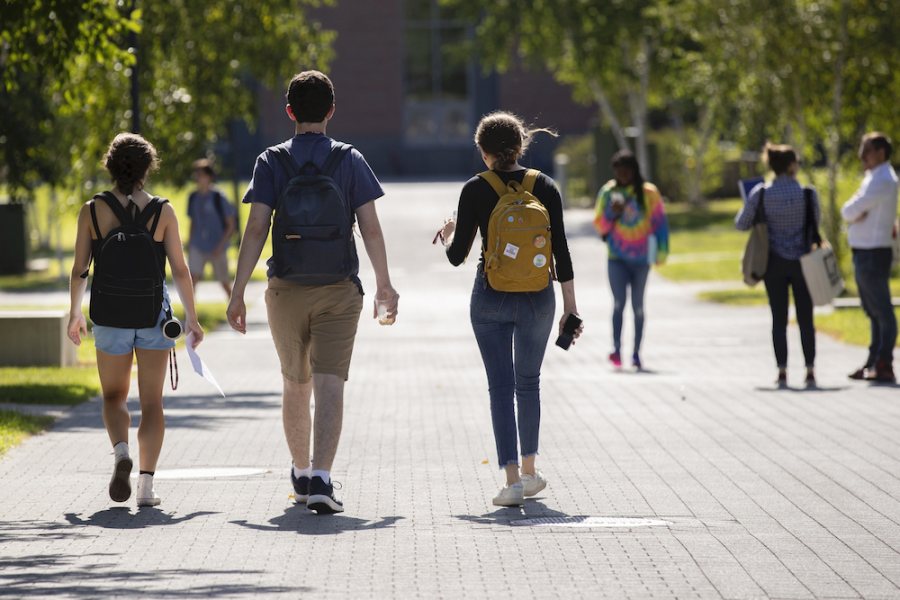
(307, 472)
(121, 450)
(325, 475)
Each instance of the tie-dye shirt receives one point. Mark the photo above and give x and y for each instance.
(628, 235)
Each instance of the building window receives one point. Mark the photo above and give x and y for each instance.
(437, 75)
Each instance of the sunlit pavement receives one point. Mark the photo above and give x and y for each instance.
(695, 478)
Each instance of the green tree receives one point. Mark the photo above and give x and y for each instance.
(607, 51)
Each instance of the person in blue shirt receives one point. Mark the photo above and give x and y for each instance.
(213, 223)
(313, 326)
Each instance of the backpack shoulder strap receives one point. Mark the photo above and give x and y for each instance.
(219, 203)
(153, 210)
(530, 179)
(124, 217)
(761, 207)
(811, 230)
(334, 158)
(494, 181)
(287, 160)
(93, 206)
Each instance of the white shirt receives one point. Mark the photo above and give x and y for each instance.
(876, 198)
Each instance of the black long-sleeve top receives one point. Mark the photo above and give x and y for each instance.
(478, 199)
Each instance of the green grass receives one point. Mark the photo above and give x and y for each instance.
(48, 385)
(737, 296)
(849, 325)
(73, 385)
(15, 427)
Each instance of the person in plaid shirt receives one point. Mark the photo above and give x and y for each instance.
(784, 204)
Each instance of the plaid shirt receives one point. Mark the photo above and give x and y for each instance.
(785, 209)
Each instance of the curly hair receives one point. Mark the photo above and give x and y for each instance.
(129, 159)
(504, 135)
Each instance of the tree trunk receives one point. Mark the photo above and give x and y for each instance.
(609, 115)
(834, 142)
(639, 106)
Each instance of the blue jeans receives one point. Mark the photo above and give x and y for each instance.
(623, 274)
(873, 269)
(512, 329)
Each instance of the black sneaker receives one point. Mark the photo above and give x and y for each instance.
(301, 487)
(321, 497)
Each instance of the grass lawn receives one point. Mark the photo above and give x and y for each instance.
(48, 385)
(15, 427)
(65, 385)
(849, 325)
(706, 247)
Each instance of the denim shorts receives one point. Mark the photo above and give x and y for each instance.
(118, 340)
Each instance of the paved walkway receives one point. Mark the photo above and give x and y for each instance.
(696, 479)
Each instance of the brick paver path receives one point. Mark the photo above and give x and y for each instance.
(750, 492)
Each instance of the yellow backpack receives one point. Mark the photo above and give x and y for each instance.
(517, 256)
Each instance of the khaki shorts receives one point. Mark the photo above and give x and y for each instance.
(313, 327)
(197, 263)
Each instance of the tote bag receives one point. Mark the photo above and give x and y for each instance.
(820, 268)
(756, 253)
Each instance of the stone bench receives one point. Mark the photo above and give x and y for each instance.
(35, 338)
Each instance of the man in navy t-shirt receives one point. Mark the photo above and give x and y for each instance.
(213, 222)
(313, 326)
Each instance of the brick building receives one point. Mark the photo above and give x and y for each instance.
(409, 98)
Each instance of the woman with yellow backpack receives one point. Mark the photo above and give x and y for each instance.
(523, 240)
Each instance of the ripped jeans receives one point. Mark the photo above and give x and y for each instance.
(512, 330)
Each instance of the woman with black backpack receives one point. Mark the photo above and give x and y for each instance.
(519, 214)
(129, 234)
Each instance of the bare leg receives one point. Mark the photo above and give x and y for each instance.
(296, 420)
(115, 380)
(512, 474)
(329, 409)
(226, 285)
(152, 366)
(528, 465)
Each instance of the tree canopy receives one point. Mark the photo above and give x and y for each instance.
(197, 61)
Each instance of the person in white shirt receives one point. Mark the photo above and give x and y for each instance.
(871, 213)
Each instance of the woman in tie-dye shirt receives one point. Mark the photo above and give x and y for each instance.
(631, 219)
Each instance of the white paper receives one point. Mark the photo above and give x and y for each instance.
(199, 366)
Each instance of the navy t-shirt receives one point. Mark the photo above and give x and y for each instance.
(353, 174)
(207, 225)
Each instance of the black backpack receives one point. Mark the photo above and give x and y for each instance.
(127, 288)
(312, 231)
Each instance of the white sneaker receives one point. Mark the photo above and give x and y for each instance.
(511, 495)
(120, 483)
(145, 494)
(533, 484)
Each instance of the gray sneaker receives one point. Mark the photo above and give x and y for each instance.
(511, 495)
(533, 484)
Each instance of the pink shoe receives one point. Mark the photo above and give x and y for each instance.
(616, 359)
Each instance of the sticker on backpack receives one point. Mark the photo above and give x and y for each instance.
(540, 260)
(511, 251)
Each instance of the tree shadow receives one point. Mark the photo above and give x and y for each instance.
(47, 575)
(121, 517)
(33, 531)
(532, 509)
(301, 520)
(207, 411)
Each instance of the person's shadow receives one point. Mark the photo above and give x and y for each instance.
(121, 517)
(302, 520)
(511, 515)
